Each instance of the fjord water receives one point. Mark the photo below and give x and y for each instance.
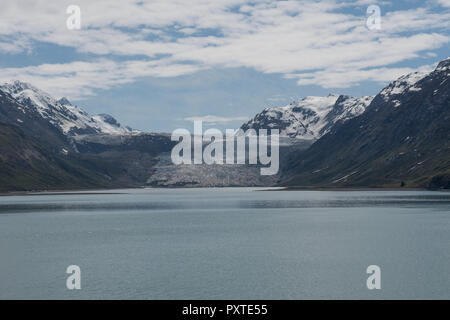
(231, 243)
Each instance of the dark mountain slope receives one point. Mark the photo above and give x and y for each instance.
(27, 164)
(402, 139)
(35, 154)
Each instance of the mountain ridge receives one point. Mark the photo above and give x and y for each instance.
(70, 119)
(309, 118)
(402, 139)
(37, 153)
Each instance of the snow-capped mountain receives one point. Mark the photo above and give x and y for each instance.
(403, 84)
(394, 94)
(410, 83)
(310, 118)
(70, 119)
(402, 139)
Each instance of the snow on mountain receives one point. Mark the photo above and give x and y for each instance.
(403, 84)
(70, 119)
(401, 139)
(310, 118)
(345, 108)
(410, 83)
(444, 65)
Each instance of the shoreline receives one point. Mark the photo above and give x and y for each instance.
(271, 188)
(354, 189)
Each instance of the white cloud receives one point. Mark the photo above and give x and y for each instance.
(78, 79)
(216, 119)
(312, 41)
(345, 78)
(444, 3)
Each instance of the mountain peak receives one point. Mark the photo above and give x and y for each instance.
(64, 101)
(443, 65)
(342, 98)
(71, 120)
(16, 86)
(29, 96)
(402, 84)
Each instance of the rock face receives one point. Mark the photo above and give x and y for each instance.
(310, 118)
(402, 139)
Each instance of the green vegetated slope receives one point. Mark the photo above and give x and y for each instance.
(36, 155)
(402, 139)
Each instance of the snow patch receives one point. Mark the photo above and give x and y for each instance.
(402, 84)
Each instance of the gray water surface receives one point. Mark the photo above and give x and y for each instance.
(231, 243)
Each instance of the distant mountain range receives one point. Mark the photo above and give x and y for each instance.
(400, 137)
(310, 118)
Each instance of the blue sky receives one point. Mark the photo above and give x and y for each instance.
(156, 64)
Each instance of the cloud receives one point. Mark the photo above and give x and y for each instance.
(314, 42)
(346, 78)
(444, 3)
(78, 79)
(276, 98)
(216, 119)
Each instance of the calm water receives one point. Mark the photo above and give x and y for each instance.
(226, 244)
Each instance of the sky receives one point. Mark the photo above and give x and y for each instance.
(158, 65)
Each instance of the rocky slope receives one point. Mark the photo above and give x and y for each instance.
(402, 139)
(49, 144)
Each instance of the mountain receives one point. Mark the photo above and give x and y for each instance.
(49, 144)
(35, 155)
(70, 119)
(310, 118)
(27, 164)
(300, 124)
(402, 139)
